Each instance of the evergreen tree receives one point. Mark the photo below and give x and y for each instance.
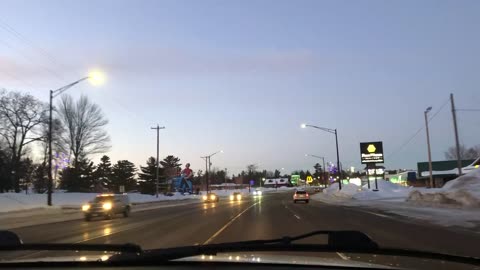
(123, 174)
(79, 178)
(40, 178)
(103, 174)
(148, 178)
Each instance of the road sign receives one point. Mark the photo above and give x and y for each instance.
(122, 189)
(252, 182)
(371, 152)
(309, 179)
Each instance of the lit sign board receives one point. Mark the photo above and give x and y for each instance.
(309, 179)
(294, 179)
(371, 152)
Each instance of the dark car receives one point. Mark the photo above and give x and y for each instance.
(210, 197)
(107, 206)
(236, 196)
(301, 195)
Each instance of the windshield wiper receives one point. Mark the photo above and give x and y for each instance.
(9, 241)
(338, 241)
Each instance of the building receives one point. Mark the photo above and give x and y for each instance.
(443, 171)
(278, 182)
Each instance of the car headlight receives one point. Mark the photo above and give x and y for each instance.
(239, 197)
(259, 193)
(107, 206)
(205, 198)
(232, 198)
(212, 197)
(85, 207)
(254, 192)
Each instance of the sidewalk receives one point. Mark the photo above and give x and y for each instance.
(38, 216)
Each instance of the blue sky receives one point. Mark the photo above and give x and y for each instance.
(242, 75)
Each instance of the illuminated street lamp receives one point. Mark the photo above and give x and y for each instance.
(332, 131)
(96, 78)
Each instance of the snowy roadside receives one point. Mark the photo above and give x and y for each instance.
(39, 216)
(455, 204)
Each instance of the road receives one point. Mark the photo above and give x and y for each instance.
(272, 216)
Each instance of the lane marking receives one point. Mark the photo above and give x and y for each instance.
(343, 256)
(290, 210)
(228, 224)
(376, 214)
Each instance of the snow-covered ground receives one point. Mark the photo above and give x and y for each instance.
(455, 204)
(19, 201)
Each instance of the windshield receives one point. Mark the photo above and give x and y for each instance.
(217, 121)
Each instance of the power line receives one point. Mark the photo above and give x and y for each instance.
(56, 75)
(19, 52)
(21, 37)
(468, 110)
(417, 132)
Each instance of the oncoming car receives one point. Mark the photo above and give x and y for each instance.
(301, 195)
(257, 192)
(236, 196)
(107, 206)
(210, 197)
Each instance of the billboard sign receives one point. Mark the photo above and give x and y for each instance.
(371, 152)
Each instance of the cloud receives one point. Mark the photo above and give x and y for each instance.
(197, 63)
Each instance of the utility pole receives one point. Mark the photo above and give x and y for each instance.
(429, 149)
(158, 143)
(457, 143)
(338, 163)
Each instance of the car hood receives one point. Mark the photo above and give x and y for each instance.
(267, 258)
(257, 258)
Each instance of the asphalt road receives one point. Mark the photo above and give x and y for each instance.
(272, 216)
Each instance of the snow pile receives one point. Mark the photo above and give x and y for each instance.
(386, 190)
(347, 191)
(463, 191)
(20, 201)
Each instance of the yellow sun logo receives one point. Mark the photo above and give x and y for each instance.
(371, 148)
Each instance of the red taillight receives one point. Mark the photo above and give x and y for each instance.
(307, 194)
(295, 195)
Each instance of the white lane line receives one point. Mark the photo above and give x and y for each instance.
(296, 216)
(377, 214)
(343, 256)
(228, 224)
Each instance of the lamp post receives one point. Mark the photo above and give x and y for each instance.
(323, 173)
(96, 78)
(332, 131)
(208, 164)
(428, 146)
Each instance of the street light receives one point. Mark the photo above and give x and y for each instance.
(96, 78)
(428, 146)
(323, 173)
(208, 164)
(332, 131)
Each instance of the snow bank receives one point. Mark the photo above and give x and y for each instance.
(347, 191)
(20, 201)
(386, 190)
(463, 191)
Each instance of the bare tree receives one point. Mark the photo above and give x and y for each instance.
(465, 153)
(84, 125)
(21, 116)
(57, 142)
